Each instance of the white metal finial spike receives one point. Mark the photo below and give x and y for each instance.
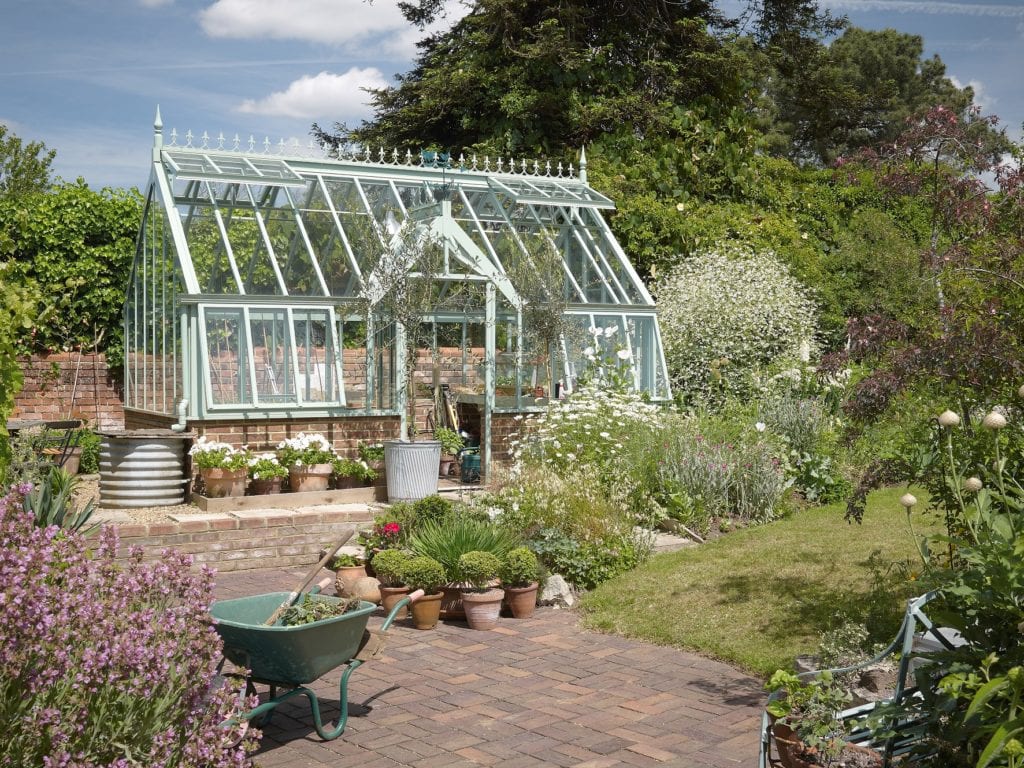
(174, 137)
(158, 129)
(220, 140)
(236, 143)
(583, 164)
(206, 140)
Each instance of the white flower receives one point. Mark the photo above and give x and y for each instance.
(605, 435)
(948, 419)
(994, 420)
(760, 426)
(908, 500)
(973, 484)
(624, 354)
(610, 331)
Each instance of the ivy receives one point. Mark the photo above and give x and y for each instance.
(76, 245)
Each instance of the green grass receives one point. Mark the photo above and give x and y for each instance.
(760, 596)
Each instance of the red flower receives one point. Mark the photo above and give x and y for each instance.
(392, 529)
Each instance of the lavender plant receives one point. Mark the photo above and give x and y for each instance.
(105, 663)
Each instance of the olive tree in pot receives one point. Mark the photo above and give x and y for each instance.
(519, 578)
(405, 286)
(389, 566)
(425, 573)
(482, 600)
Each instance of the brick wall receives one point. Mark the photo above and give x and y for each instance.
(68, 385)
(345, 432)
(245, 540)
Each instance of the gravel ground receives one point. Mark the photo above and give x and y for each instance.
(89, 488)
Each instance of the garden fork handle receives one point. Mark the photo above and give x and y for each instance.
(293, 596)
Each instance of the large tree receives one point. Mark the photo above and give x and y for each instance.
(534, 77)
(24, 167)
(856, 92)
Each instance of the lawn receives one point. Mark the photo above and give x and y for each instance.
(760, 596)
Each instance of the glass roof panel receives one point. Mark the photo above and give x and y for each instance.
(548, 191)
(184, 163)
(209, 257)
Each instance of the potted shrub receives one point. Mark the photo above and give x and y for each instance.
(519, 578)
(425, 573)
(448, 539)
(266, 474)
(481, 600)
(388, 566)
(348, 570)
(222, 467)
(807, 728)
(310, 461)
(351, 473)
(451, 444)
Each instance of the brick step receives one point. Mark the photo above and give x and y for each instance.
(247, 539)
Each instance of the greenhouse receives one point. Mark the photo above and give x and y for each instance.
(265, 276)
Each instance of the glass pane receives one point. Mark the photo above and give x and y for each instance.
(228, 350)
(209, 257)
(353, 368)
(271, 347)
(251, 255)
(330, 254)
(314, 343)
(292, 254)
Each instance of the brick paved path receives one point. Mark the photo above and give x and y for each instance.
(537, 692)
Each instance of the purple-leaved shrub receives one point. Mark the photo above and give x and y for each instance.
(106, 663)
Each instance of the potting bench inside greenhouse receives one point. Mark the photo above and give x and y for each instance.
(257, 293)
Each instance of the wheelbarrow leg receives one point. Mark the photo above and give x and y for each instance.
(328, 735)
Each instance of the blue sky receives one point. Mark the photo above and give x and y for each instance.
(85, 76)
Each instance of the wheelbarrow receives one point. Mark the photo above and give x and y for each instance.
(289, 658)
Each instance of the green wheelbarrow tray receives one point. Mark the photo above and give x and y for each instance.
(291, 657)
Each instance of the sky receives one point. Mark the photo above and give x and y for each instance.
(86, 76)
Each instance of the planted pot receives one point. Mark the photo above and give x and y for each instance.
(265, 487)
(346, 576)
(451, 602)
(391, 595)
(522, 601)
(793, 753)
(482, 608)
(310, 477)
(223, 482)
(411, 469)
(426, 611)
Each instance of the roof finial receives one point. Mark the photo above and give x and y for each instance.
(583, 164)
(158, 129)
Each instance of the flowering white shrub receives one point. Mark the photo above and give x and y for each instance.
(729, 313)
(587, 429)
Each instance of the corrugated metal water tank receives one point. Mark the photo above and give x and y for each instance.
(143, 468)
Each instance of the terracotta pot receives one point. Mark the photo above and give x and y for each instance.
(522, 601)
(426, 611)
(445, 467)
(793, 753)
(391, 595)
(72, 458)
(265, 487)
(312, 477)
(451, 604)
(344, 481)
(346, 576)
(223, 482)
(482, 608)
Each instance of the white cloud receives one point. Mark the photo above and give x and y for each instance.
(335, 22)
(319, 96)
(320, 21)
(154, 3)
(981, 96)
(932, 7)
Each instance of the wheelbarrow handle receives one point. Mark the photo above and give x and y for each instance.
(412, 597)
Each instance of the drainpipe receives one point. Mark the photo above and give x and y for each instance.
(180, 424)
